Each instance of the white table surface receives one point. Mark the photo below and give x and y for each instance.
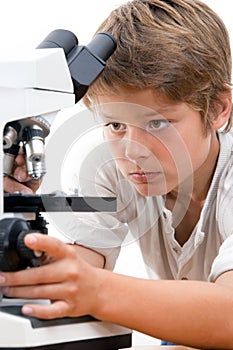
(158, 347)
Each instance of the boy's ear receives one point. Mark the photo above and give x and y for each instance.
(222, 109)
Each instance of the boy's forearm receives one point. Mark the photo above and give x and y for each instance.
(197, 314)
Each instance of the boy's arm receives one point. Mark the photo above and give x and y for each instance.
(193, 313)
(198, 314)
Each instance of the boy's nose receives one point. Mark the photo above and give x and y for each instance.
(135, 144)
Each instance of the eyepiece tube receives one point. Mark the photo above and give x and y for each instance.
(85, 62)
(102, 45)
(59, 38)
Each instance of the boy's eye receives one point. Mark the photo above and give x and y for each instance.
(116, 126)
(158, 124)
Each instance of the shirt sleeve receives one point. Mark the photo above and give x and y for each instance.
(224, 260)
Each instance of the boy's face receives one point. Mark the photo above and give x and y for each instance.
(157, 144)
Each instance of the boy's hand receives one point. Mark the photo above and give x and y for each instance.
(67, 280)
(20, 181)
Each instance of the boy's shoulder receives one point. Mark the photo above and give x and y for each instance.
(225, 185)
(226, 149)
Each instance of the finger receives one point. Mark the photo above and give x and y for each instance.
(54, 291)
(12, 186)
(20, 174)
(57, 309)
(54, 272)
(20, 159)
(52, 246)
(51, 273)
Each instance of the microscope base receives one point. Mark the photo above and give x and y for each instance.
(107, 343)
(19, 332)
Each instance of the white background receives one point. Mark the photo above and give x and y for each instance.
(25, 23)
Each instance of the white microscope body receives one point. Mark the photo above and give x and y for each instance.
(39, 84)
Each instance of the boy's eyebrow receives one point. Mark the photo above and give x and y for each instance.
(106, 116)
(151, 114)
(147, 115)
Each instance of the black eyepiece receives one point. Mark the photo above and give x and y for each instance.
(59, 38)
(102, 45)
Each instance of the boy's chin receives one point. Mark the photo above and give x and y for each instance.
(148, 190)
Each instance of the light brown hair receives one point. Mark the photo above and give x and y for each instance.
(179, 47)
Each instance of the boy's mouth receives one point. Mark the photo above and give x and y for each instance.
(143, 177)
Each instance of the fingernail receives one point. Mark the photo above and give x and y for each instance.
(27, 310)
(2, 279)
(5, 290)
(31, 239)
(26, 191)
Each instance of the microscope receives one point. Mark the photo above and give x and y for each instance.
(34, 87)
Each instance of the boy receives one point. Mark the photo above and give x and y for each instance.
(164, 99)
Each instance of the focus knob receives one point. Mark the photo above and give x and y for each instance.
(22, 249)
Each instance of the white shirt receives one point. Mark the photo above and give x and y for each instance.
(207, 253)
